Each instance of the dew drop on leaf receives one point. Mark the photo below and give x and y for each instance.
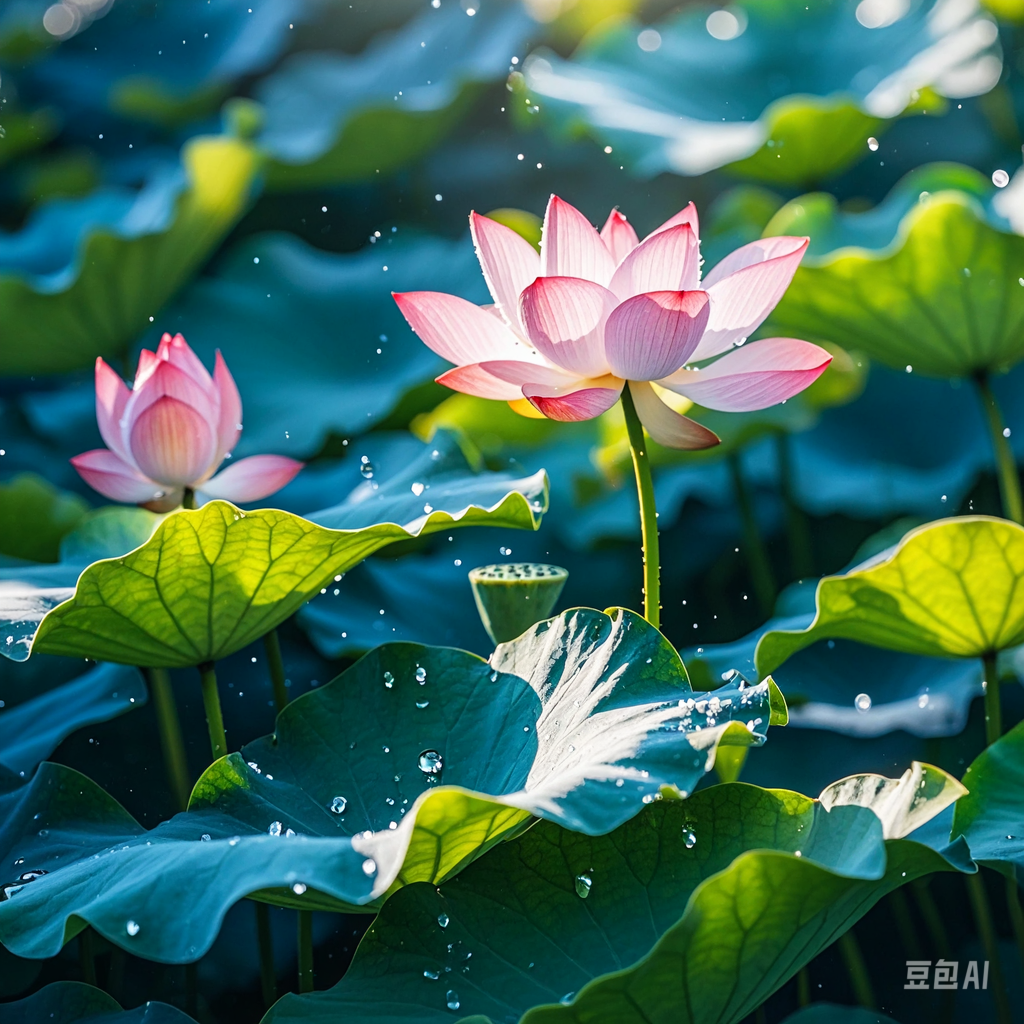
(442, 920)
(389, 680)
(453, 999)
(583, 886)
(275, 828)
(431, 762)
(862, 702)
(338, 805)
(132, 927)
(369, 866)
(421, 674)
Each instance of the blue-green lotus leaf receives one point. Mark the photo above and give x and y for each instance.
(314, 340)
(32, 730)
(34, 516)
(929, 280)
(96, 69)
(991, 819)
(791, 97)
(692, 912)
(401, 770)
(71, 1002)
(334, 118)
(84, 276)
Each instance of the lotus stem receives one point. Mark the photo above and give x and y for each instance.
(940, 940)
(214, 717)
(264, 937)
(272, 647)
(1016, 916)
(858, 970)
(757, 555)
(1009, 481)
(175, 759)
(305, 951)
(188, 499)
(87, 955)
(798, 531)
(648, 510)
(987, 934)
(192, 990)
(900, 907)
(803, 987)
(993, 707)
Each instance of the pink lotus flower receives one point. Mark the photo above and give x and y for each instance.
(572, 326)
(173, 429)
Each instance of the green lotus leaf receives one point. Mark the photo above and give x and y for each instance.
(34, 516)
(930, 279)
(212, 580)
(337, 118)
(693, 911)
(69, 1002)
(990, 816)
(783, 91)
(403, 769)
(32, 730)
(108, 262)
(952, 589)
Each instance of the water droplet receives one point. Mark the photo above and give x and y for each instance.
(431, 762)
(1006, 431)
(299, 888)
(453, 999)
(417, 489)
(862, 702)
(389, 680)
(922, 701)
(583, 885)
(689, 836)
(873, 144)
(422, 704)
(567, 998)
(432, 975)
(275, 828)
(421, 675)
(132, 927)
(44, 832)
(442, 920)
(338, 805)
(1000, 178)
(205, 837)
(369, 866)
(366, 468)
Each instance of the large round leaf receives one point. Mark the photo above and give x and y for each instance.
(71, 1002)
(691, 912)
(952, 589)
(84, 276)
(34, 516)
(789, 95)
(991, 816)
(212, 580)
(336, 118)
(929, 280)
(410, 764)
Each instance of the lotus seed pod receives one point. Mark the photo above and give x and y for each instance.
(512, 597)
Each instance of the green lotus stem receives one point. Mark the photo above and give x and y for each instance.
(1016, 915)
(272, 647)
(757, 555)
(175, 759)
(909, 938)
(987, 934)
(993, 708)
(1009, 481)
(268, 976)
(940, 940)
(214, 718)
(305, 951)
(188, 499)
(857, 969)
(87, 955)
(797, 528)
(192, 990)
(648, 510)
(803, 987)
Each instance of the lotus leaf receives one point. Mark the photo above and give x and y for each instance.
(693, 911)
(990, 817)
(789, 96)
(34, 516)
(337, 118)
(401, 770)
(32, 730)
(71, 1002)
(84, 276)
(951, 589)
(929, 280)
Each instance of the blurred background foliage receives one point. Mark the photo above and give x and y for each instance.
(260, 175)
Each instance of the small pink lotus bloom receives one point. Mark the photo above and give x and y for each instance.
(572, 326)
(172, 431)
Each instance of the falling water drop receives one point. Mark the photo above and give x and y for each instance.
(1000, 178)
(366, 468)
(873, 144)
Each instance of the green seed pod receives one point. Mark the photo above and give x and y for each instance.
(512, 597)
